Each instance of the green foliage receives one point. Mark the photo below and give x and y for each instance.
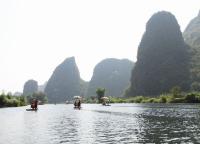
(176, 100)
(6, 100)
(23, 100)
(117, 100)
(195, 86)
(192, 98)
(40, 96)
(139, 99)
(162, 59)
(176, 92)
(2, 100)
(163, 99)
(90, 100)
(100, 93)
(13, 102)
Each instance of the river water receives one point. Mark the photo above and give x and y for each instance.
(97, 124)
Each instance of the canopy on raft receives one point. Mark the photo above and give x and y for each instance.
(105, 98)
(77, 97)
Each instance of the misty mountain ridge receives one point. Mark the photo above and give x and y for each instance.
(111, 74)
(163, 61)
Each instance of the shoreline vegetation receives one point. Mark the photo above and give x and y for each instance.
(175, 96)
(9, 100)
(191, 97)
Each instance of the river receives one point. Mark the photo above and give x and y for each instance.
(97, 124)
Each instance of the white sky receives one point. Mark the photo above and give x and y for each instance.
(37, 35)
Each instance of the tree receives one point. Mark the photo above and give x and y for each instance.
(100, 93)
(40, 96)
(176, 91)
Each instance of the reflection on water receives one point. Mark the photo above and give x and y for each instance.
(96, 124)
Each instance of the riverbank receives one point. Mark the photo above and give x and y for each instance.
(192, 97)
(7, 100)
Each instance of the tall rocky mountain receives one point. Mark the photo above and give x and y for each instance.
(64, 82)
(162, 58)
(192, 38)
(111, 74)
(30, 87)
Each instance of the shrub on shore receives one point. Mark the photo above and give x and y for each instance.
(192, 97)
(40, 96)
(174, 97)
(7, 100)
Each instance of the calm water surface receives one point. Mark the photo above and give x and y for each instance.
(96, 124)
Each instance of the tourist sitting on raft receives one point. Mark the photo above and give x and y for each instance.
(105, 101)
(34, 104)
(77, 102)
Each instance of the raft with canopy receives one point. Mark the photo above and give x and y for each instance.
(77, 102)
(105, 101)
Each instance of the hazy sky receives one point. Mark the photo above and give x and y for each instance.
(37, 35)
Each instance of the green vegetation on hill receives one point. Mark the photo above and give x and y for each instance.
(162, 59)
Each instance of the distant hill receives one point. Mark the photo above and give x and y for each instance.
(17, 94)
(162, 59)
(64, 82)
(192, 38)
(83, 87)
(30, 87)
(41, 88)
(111, 74)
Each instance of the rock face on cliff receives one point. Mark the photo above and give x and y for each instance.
(192, 38)
(30, 87)
(162, 59)
(111, 74)
(64, 82)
